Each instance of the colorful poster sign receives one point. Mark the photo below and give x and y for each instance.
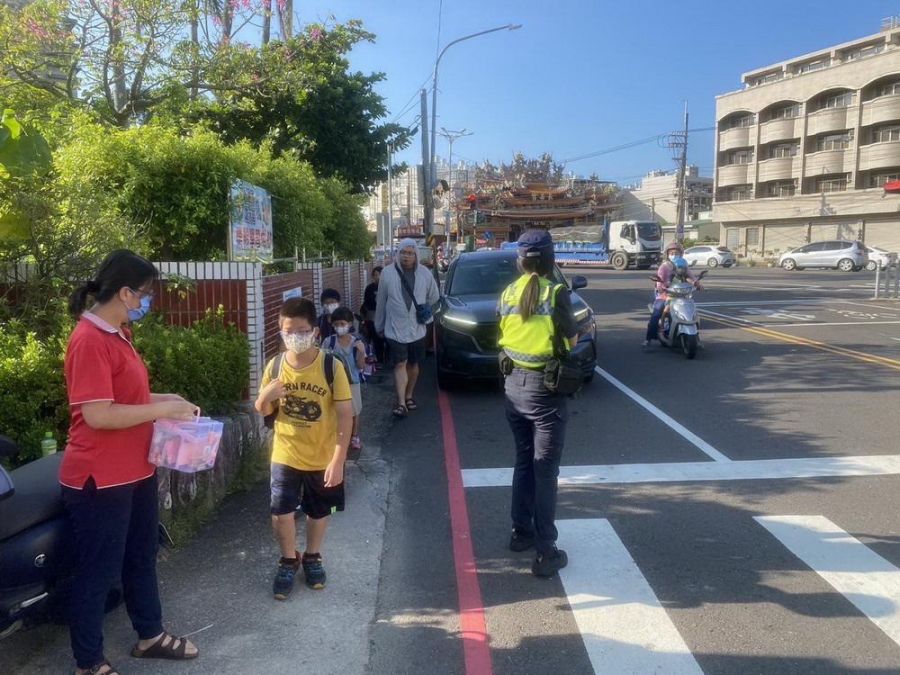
(250, 223)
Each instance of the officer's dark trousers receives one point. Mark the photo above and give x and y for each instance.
(115, 531)
(538, 422)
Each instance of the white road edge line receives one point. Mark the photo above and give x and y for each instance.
(683, 472)
(623, 626)
(813, 324)
(703, 310)
(691, 437)
(854, 570)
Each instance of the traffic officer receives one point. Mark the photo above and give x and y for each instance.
(532, 310)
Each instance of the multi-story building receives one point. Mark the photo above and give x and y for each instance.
(803, 150)
(657, 197)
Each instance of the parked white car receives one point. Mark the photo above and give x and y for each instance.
(710, 256)
(878, 257)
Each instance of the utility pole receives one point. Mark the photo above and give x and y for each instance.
(428, 202)
(451, 136)
(390, 184)
(678, 142)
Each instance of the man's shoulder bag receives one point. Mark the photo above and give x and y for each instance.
(423, 312)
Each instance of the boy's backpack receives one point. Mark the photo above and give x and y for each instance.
(331, 342)
(269, 420)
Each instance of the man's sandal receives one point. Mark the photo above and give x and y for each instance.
(96, 669)
(399, 410)
(411, 404)
(166, 647)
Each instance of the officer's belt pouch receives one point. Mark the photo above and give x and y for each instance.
(506, 363)
(563, 376)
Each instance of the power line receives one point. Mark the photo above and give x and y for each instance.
(626, 146)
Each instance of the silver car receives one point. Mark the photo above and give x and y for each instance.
(847, 256)
(711, 256)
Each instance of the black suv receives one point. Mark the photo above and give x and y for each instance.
(466, 321)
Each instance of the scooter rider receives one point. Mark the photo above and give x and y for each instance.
(533, 310)
(665, 273)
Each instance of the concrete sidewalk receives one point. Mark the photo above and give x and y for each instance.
(218, 589)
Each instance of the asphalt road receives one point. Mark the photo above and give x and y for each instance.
(794, 571)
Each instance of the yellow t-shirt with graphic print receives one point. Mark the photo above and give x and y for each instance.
(306, 423)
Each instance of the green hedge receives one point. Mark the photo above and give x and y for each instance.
(207, 363)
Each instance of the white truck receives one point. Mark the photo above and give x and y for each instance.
(620, 244)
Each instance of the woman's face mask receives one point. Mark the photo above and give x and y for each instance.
(330, 307)
(672, 256)
(138, 313)
(299, 342)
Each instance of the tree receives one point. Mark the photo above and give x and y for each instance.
(301, 96)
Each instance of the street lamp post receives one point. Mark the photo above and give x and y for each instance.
(434, 84)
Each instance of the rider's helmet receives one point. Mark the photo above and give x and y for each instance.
(674, 247)
(681, 267)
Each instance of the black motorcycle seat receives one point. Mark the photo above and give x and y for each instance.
(37, 497)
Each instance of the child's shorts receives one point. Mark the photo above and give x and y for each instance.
(356, 396)
(292, 487)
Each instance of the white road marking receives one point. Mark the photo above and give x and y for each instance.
(732, 318)
(862, 576)
(689, 436)
(624, 627)
(799, 302)
(678, 472)
(832, 323)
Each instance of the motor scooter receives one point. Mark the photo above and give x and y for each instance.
(680, 322)
(37, 556)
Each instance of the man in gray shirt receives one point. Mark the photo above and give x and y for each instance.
(395, 319)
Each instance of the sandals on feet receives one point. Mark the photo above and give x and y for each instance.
(166, 647)
(96, 669)
(399, 410)
(411, 404)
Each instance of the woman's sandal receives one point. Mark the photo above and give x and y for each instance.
(399, 410)
(411, 404)
(166, 647)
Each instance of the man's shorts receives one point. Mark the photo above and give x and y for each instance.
(410, 352)
(292, 488)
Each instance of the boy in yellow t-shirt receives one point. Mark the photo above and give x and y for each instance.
(314, 417)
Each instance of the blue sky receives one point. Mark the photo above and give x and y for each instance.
(583, 76)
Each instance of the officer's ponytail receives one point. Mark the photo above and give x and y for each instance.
(531, 296)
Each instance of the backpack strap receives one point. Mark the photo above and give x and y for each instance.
(329, 371)
(276, 365)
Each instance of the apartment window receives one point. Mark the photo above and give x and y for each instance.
(832, 183)
(742, 121)
(889, 89)
(768, 77)
(834, 141)
(812, 66)
(785, 150)
(782, 188)
(785, 112)
(741, 192)
(863, 52)
(886, 134)
(843, 100)
(879, 179)
(741, 157)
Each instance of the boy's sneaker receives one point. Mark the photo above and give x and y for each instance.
(519, 541)
(284, 577)
(548, 564)
(313, 570)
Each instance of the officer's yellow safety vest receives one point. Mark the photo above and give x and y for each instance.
(528, 343)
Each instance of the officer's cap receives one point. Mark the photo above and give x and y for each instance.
(535, 243)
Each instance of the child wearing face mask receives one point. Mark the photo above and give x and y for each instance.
(330, 300)
(310, 396)
(352, 351)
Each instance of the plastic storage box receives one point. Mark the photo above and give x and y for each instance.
(186, 446)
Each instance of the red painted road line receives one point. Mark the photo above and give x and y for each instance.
(476, 650)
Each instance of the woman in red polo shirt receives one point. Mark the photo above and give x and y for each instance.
(108, 486)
